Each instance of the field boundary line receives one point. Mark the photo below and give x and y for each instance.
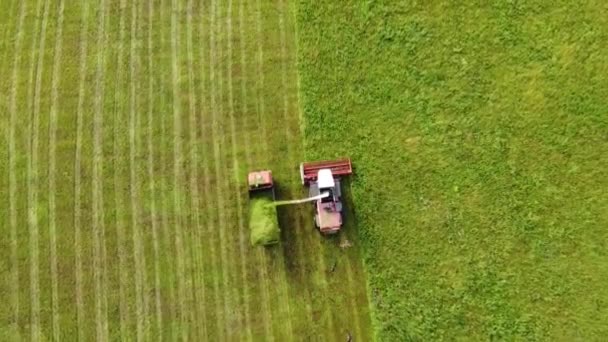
(12, 167)
(265, 302)
(119, 218)
(235, 163)
(152, 188)
(196, 248)
(52, 170)
(78, 170)
(259, 24)
(140, 271)
(206, 171)
(216, 161)
(32, 180)
(176, 163)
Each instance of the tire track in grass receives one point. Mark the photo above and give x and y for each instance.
(267, 314)
(285, 296)
(235, 164)
(151, 175)
(12, 169)
(32, 179)
(52, 170)
(177, 158)
(140, 266)
(210, 232)
(195, 201)
(78, 171)
(164, 190)
(120, 234)
(217, 160)
(98, 231)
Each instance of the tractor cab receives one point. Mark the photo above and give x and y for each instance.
(328, 209)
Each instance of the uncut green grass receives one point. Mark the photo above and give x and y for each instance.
(478, 133)
(170, 256)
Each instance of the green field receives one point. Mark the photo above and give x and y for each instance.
(479, 132)
(128, 129)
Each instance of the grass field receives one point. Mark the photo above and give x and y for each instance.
(128, 129)
(479, 132)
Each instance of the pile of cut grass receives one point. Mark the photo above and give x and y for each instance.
(263, 222)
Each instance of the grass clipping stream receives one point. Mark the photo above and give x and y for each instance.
(263, 222)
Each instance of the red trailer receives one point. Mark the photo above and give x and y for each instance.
(324, 177)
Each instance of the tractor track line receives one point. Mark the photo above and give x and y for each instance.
(210, 231)
(285, 293)
(151, 176)
(177, 157)
(140, 272)
(267, 314)
(119, 218)
(199, 287)
(217, 160)
(78, 172)
(98, 231)
(235, 163)
(32, 183)
(12, 166)
(52, 170)
(165, 207)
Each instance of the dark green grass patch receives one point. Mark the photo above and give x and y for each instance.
(479, 136)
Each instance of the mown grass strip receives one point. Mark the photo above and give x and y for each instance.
(237, 181)
(120, 220)
(283, 296)
(78, 173)
(52, 172)
(15, 80)
(151, 175)
(177, 170)
(219, 200)
(173, 303)
(99, 262)
(266, 313)
(33, 174)
(197, 272)
(206, 160)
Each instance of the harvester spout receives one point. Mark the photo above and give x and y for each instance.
(303, 200)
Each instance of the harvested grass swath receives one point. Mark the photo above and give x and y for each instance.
(263, 222)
